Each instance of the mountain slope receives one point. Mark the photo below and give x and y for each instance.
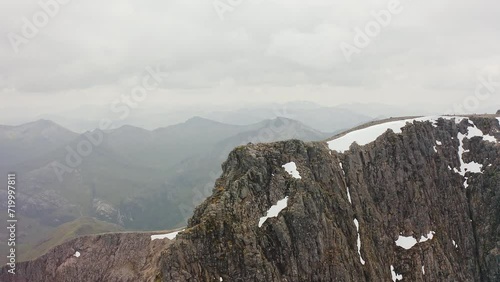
(65, 232)
(400, 188)
(137, 178)
(189, 181)
(23, 142)
(418, 203)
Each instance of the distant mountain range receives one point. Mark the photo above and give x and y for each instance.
(136, 179)
(320, 117)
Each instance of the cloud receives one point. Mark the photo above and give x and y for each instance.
(94, 49)
(318, 49)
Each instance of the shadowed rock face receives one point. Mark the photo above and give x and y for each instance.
(397, 189)
(399, 185)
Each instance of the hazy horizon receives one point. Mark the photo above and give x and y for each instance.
(87, 117)
(425, 54)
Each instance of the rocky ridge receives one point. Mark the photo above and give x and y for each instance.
(420, 205)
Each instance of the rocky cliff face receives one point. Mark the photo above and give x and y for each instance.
(109, 257)
(420, 205)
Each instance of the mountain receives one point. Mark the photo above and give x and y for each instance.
(325, 119)
(190, 181)
(136, 178)
(23, 142)
(412, 199)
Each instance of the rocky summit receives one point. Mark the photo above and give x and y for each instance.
(410, 200)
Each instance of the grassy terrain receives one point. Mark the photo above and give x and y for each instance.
(79, 227)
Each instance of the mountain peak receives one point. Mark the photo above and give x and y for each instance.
(200, 120)
(129, 128)
(42, 124)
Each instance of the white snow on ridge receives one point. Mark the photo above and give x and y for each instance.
(274, 210)
(348, 192)
(409, 242)
(395, 276)
(349, 195)
(472, 131)
(365, 136)
(291, 168)
(77, 254)
(359, 242)
(170, 236)
(370, 134)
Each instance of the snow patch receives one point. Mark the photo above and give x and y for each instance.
(349, 195)
(359, 242)
(274, 210)
(220, 279)
(291, 168)
(429, 236)
(423, 270)
(170, 236)
(347, 187)
(395, 276)
(406, 242)
(77, 254)
(435, 149)
(409, 242)
(439, 143)
(454, 244)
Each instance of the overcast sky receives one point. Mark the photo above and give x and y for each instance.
(91, 52)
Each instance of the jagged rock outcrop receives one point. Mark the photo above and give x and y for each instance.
(400, 208)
